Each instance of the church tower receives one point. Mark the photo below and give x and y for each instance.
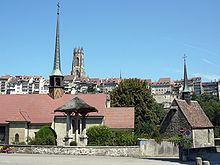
(78, 70)
(186, 92)
(56, 88)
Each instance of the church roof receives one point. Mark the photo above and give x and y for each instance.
(194, 114)
(39, 109)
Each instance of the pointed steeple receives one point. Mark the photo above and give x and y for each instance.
(56, 66)
(56, 87)
(186, 92)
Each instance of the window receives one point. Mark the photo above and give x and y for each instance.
(16, 137)
(77, 61)
(209, 136)
(57, 81)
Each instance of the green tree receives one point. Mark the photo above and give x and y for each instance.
(135, 93)
(45, 136)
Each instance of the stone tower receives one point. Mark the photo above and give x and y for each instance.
(56, 88)
(78, 70)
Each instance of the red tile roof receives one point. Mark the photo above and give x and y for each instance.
(39, 108)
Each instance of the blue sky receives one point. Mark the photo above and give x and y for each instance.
(140, 38)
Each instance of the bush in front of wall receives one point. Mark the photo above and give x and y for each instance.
(99, 135)
(73, 143)
(124, 138)
(45, 136)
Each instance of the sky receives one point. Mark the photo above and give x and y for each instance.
(144, 39)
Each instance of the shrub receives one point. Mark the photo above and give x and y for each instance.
(99, 135)
(124, 138)
(182, 141)
(45, 136)
(19, 143)
(73, 143)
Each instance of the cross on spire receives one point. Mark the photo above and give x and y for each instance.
(58, 8)
(184, 57)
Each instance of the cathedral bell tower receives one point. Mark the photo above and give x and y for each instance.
(56, 88)
(78, 70)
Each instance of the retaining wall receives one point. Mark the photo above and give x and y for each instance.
(128, 151)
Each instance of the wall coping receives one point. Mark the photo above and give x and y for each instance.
(53, 146)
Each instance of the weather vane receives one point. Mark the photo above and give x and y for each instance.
(58, 8)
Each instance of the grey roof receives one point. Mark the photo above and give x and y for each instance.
(185, 85)
(76, 105)
(57, 67)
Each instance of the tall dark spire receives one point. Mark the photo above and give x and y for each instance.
(185, 86)
(57, 66)
(186, 92)
(56, 87)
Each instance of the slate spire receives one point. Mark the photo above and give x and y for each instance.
(57, 67)
(186, 92)
(56, 87)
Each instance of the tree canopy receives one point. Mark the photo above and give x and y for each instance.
(148, 114)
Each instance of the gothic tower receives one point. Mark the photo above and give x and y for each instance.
(186, 92)
(78, 70)
(56, 88)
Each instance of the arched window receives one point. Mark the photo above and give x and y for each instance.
(77, 61)
(16, 137)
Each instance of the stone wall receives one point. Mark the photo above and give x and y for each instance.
(203, 138)
(116, 151)
(149, 147)
(207, 153)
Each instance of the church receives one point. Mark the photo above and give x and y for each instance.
(23, 115)
(186, 117)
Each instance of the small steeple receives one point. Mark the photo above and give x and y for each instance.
(186, 92)
(120, 75)
(57, 67)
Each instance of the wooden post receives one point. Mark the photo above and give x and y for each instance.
(198, 161)
(76, 128)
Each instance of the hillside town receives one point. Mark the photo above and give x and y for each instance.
(164, 90)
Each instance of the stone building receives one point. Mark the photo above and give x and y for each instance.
(186, 117)
(78, 70)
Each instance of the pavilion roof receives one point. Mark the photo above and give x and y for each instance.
(76, 105)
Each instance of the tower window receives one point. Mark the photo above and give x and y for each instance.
(77, 61)
(78, 73)
(57, 81)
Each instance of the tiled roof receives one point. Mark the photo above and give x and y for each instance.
(119, 117)
(194, 114)
(164, 79)
(4, 77)
(39, 108)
